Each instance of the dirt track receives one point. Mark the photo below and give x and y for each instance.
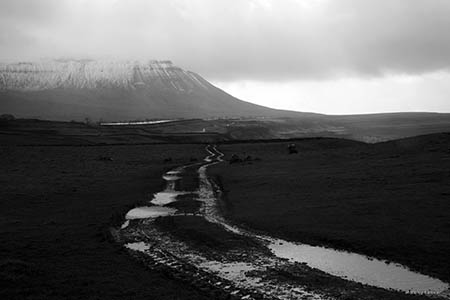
(177, 243)
(56, 206)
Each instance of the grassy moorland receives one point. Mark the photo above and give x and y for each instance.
(390, 200)
(55, 209)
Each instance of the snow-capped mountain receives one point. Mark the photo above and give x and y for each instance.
(114, 90)
(89, 74)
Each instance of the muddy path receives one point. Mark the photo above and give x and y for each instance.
(183, 234)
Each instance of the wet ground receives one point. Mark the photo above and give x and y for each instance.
(387, 200)
(198, 246)
(56, 205)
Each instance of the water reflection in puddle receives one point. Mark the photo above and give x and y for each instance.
(171, 177)
(170, 194)
(145, 212)
(346, 265)
(125, 224)
(160, 199)
(358, 268)
(166, 197)
(139, 246)
(351, 266)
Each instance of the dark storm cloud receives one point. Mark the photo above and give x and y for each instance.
(229, 40)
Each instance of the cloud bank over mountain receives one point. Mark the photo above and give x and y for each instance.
(229, 40)
(290, 42)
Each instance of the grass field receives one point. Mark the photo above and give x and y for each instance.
(55, 209)
(390, 200)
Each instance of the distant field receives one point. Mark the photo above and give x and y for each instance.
(40, 132)
(367, 128)
(390, 200)
(56, 206)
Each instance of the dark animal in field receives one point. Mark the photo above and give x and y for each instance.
(193, 159)
(167, 160)
(292, 148)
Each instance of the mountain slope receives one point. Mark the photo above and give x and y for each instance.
(111, 90)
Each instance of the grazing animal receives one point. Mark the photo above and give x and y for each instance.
(292, 148)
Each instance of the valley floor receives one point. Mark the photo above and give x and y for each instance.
(388, 200)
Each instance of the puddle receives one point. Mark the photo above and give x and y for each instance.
(160, 199)
(166, 197)
(170, 177)
(240, 274)
(139, 246)
(145, 212)
(170, 194)
(358, 268)
(346, 265)
(173, 172)
(125, 224)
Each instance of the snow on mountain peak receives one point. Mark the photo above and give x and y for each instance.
(90, 74)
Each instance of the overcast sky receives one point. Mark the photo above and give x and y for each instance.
(331, 56)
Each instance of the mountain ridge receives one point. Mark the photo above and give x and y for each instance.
(51, 74)
(116, 90)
